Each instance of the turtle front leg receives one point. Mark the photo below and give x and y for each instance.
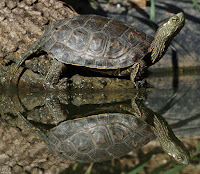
(136, 73)
(52, 79)
(133, 72)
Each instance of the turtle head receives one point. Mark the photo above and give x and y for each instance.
(179, 153)
(164, 35)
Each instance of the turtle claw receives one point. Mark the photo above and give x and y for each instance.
(140, 84)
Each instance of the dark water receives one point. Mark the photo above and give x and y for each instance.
(24, 145)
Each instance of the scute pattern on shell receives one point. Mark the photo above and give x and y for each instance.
(99, 137)
(95, 42)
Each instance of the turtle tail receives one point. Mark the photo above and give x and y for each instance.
(32, 50)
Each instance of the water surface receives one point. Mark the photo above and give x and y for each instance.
(175, 97)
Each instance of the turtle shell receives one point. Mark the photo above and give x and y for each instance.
(96, 42)
(99, 137)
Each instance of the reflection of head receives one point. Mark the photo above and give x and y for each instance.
(169, 142)
(179, 152)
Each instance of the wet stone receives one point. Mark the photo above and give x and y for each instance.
(100, 83)
(36, 171)
(2, 3)
(11, 4)
(3, 158)
(30, 2)
(17, 169)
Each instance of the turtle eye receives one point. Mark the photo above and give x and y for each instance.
(180, 158)
(175, 19)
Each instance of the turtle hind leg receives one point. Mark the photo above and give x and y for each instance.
(52, 79)
(32, 50)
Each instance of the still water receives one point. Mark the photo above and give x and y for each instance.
(39, 135)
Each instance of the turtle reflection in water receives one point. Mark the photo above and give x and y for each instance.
(105, 45)
(106, 136)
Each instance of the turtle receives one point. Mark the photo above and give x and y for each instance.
(105, 45)
(106, 136)
(96, 138)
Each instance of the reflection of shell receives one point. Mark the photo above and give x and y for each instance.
(96, 42)
(99, 137)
